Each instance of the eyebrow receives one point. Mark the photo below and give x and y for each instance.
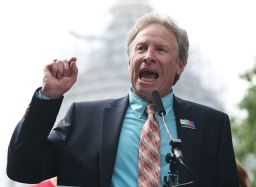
(165, 44)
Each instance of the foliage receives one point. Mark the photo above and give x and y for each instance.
(245, 130)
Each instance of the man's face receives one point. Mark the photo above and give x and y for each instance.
(153, 61)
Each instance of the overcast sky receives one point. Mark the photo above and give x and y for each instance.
(34, 32)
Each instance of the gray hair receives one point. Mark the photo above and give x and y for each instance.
(155, 18)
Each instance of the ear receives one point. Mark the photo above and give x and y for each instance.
(180, 68)
(129, 60)
(129, 64)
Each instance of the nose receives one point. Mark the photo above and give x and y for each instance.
(149, 56)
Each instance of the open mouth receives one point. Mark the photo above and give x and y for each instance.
(148, 75)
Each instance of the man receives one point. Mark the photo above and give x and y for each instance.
(98, 143)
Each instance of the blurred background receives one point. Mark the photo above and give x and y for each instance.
(220, 73)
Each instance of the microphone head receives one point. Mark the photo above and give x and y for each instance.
(158, 103)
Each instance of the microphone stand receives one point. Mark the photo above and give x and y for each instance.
(174, 158)
(172, 179)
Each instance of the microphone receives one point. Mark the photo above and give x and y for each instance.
(160, 108)
(176, 143)
(158, 102)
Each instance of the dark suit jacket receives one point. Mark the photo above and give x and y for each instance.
(81, 151)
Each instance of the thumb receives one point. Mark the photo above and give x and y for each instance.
(73, 66)
(72, 59)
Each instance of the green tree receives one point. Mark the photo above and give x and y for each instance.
(245, 130)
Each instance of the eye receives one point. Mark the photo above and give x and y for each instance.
(161, 50)
(141, 49)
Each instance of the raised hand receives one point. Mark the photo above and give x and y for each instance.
(59, 77)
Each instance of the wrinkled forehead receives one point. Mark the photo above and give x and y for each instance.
(155, 34)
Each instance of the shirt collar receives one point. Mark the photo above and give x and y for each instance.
(138, 104)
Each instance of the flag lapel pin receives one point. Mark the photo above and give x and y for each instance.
(187, 123)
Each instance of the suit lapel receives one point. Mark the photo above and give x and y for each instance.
(184, 116)
(111, 126)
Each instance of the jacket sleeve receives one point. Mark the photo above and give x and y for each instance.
(31, 158)
(227, 170)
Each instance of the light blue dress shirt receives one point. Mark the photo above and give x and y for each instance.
(126, 165)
